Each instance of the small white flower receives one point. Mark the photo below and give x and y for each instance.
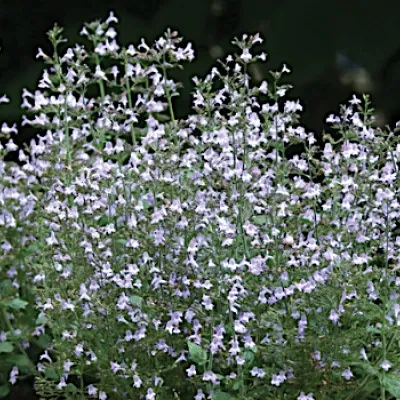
(191, 371)
(111, 18)
(285, 69)
(278, 379)
(246, 56)
(347, 374)
(386, 365)
(13, 375)
(99, 73)
(4, 99)
(304, 396)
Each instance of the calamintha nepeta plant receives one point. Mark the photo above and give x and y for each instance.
(192, 259)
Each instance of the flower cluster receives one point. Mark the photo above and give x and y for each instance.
(192, 258)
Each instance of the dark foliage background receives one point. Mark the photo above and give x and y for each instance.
(333, 47)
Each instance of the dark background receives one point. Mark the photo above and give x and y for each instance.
(333, 47)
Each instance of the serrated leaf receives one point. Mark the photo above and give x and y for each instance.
(197, 353)
(4, 390)
(222, 396)
(6, 347)
(391, 382)
(16, 304)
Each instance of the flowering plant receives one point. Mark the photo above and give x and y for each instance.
(194, 259)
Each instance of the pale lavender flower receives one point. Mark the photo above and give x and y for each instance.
(191, 371)
(4, 99)
(207, 302)
(304, 396)
(13, 375)
(150, 394)
(347, 374)
(334, 317)
(209, 376)
(278, 379)
(67, 365)
(246, 56)
(92, 390)
(200, 395)
(385, 365)
(137, 382)
(62, 383)
(363, 354)
(102, 396)
(258, 372)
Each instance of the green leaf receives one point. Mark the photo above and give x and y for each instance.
(44, 340)
(260, 219)
(197, 353)
(366, 367)
(103, 221)
(17, 304)
(5, 287)
(306, 221)
(372, 386)
(71, 388)
(41, 320)
(32, 248)
(372, 329)
(121, 242)
(222, 396)
(136, 300)
(236, 386)
(23, 362)
(147, 204)
(249, 357)
(52, 374)
(187, 174)
(391, 382)
(4, 390)
(6, 347)
(161, 117)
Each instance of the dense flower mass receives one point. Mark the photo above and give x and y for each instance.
(193, 259)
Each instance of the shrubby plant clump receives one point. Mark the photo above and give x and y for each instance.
(155, 258)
